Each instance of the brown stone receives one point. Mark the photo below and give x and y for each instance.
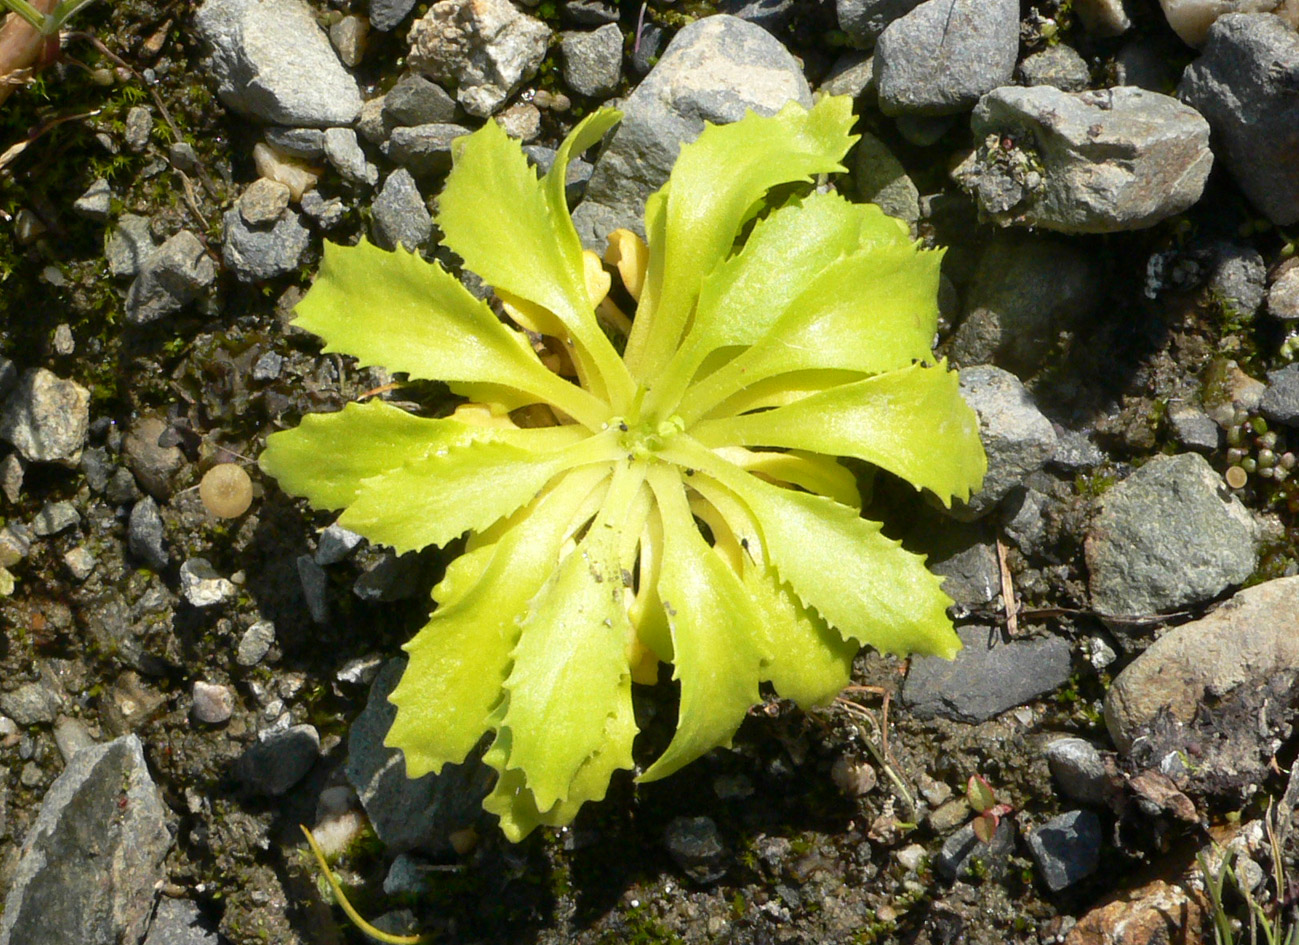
(1155, 914)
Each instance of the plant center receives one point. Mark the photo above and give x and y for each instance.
(645, 438)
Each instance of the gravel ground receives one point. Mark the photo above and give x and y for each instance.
(1118, 190)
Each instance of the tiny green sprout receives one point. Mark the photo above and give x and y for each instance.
(983, 800)
(682, 503)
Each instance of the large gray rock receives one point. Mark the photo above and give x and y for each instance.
(1188, 685)
(255, 254)
(713, 70)
(1026, 291)
(864, 20)
(988, 676)
(939, 58)
(1100, 161)
(171, 277)
(1067, 848)
(274, 63)
(1244, 84)
(408, 814)
(1167, 537)
(46, 418)
(93, 858)
(485, 48)
(1016, 436)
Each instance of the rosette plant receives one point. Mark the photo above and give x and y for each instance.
(682, 502)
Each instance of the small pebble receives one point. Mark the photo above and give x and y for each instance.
(255, 643)
(213, 704)
(80, 562)
(201, 585)
(54, 518)
(263, 201)
(63, 342)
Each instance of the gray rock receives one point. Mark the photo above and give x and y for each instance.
(255, 643)
(1016, 437)
(1101, 161)
(1080, 770)
(79, 562)
(255, 255)
(1066, 849)
(713, 70)
(1195, 669)
(408, 814)
(180, 922)
(1058, 66)
(105, 802)
(414, 100)
(1244, 85)
(12, 471)
(212, 702)
(152, 463)
(173, 276)
(182, 155)
(593, 61)
(696, 845)
(1238, 278)
(55, 517)
(399, 214)
(201, 585)
(485, 48)
(46, 418)
(939, 58)
(15, 543)
(1283, 295)
(964, 556)
(865, 20)
(267, 367)
(348, 36)
(393, 578)
(1026, 291)
(305, 143)
(315, 588)
(263, 201)
(326, 214)
(335, 544)
(279, 759)
(1195, 428)
(96, 203)
(589, 12)
(853, 74)
(962, 850)
(128, 245)
(881, 179)
(1167, 537)
(647, 48)
(1281, 399)
(274, 63)
(386, 15)
(772, 15)
(344, 152)
(144, 535)
(1023, 521)
(987, 677)
(139, 125)
(424, 150)
(71, 736)
(33, 703)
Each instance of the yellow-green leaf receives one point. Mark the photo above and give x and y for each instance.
(912, 422)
